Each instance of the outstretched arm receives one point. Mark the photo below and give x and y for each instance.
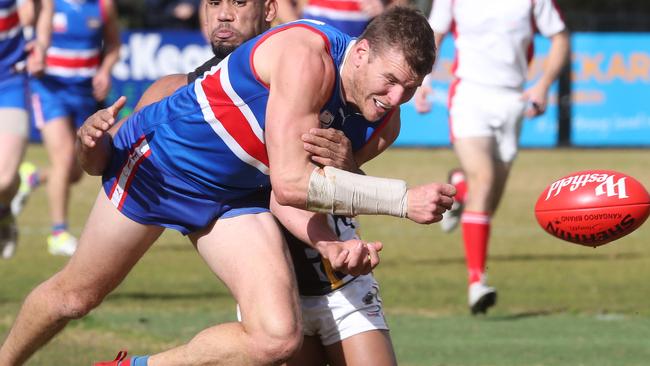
(297, 93)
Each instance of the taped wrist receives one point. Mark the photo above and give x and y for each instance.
(343, 193)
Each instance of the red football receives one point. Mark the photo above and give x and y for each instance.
(592, 207)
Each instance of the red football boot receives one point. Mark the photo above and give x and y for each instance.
(120, 360)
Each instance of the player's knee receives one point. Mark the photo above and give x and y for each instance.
(276, 345)
(71, 303)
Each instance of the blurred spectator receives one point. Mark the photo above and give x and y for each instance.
(350, 17)
(172, 14)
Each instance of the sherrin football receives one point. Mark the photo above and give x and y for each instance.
(592, 207)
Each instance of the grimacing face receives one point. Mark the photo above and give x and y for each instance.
(383, 81)
(229, 23)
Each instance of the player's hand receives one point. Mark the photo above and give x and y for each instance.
(421, 98)
(99, 123)
(428, 202)
(537, 99)
(354, 257)
(330, 147)
(35, 58)
(101, 85)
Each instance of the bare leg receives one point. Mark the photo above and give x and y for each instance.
(478, 160)
(368, 348)
(311, 353)
(58, 136)
(249, 255)
(109, 247)
(12, 148)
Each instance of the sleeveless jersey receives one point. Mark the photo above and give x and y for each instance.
(494, 39)
(346, 15)
(77, 34)
(314, 274)
(213, 130)
(12, 42)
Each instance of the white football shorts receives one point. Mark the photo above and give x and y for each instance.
(477, 110)
(355, 308)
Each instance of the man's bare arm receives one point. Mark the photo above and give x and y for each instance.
(354, 257)
(557, 57)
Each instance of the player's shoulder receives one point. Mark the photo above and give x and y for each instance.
(161, 88)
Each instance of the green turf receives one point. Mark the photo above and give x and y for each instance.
(559, 304)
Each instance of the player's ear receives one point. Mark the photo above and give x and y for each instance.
(270, 10)
(360, 52)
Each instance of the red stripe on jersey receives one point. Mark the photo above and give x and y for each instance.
(73, 62)
(9, 22)
(349, 5)
(452, 92)
(328, 47)
(133, 168)
(232, 119)
(103, 8)
(131, 176)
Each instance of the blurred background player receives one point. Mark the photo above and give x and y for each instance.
(85, 46)
(17, 58)
(487, 103)
(349, 16)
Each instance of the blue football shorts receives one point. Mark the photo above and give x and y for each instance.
(147, 192)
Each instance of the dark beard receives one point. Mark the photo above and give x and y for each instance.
(221, 50)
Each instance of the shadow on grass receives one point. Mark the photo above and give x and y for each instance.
(525, 315)
(522, 258)
(166, 296)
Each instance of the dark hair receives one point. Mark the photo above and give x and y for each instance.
(405, 29)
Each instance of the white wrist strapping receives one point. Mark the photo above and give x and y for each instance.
(343, 193)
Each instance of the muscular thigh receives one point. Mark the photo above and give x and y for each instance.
(369, 348)
(311, 353)
(13, 138)
(109, 246)
(248, 254)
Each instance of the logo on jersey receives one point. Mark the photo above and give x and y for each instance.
(59, 23)
(94, 23)
(326, 118)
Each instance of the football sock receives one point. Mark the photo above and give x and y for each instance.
(34, 180)
(458, 180)
(476, 233)
(139, 360)
(59, 228)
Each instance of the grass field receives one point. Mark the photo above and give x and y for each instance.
(559, 304)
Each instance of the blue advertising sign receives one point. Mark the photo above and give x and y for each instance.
(610, 80)
(432, 129)
(147, 56)
(610, 89)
